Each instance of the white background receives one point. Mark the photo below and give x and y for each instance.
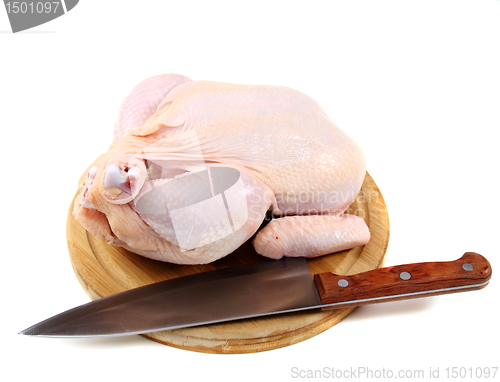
(415, 83)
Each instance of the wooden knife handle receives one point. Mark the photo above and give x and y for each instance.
(471, 272)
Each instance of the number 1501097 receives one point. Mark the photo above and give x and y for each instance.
(32, 7)
(471, 372)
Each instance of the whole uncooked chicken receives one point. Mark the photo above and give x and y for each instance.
(196, 165)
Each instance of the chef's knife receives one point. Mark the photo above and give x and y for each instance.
(255, 290)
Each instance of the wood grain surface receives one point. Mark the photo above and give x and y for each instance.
(400, 282)
(103, 269)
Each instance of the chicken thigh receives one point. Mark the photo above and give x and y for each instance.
(196, 165)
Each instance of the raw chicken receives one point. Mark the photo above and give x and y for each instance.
(196, 165)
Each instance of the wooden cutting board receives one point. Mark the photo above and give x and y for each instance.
(103, 269)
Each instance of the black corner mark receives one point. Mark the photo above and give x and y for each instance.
(70, 4)
(26, 14)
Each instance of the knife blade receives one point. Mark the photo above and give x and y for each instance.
(256, 290)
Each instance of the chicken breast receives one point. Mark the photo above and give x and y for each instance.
(196, 165)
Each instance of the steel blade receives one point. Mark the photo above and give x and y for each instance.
(268, 287)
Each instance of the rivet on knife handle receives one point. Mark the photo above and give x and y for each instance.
(471, 272)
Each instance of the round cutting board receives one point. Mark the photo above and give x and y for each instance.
(103, 269)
